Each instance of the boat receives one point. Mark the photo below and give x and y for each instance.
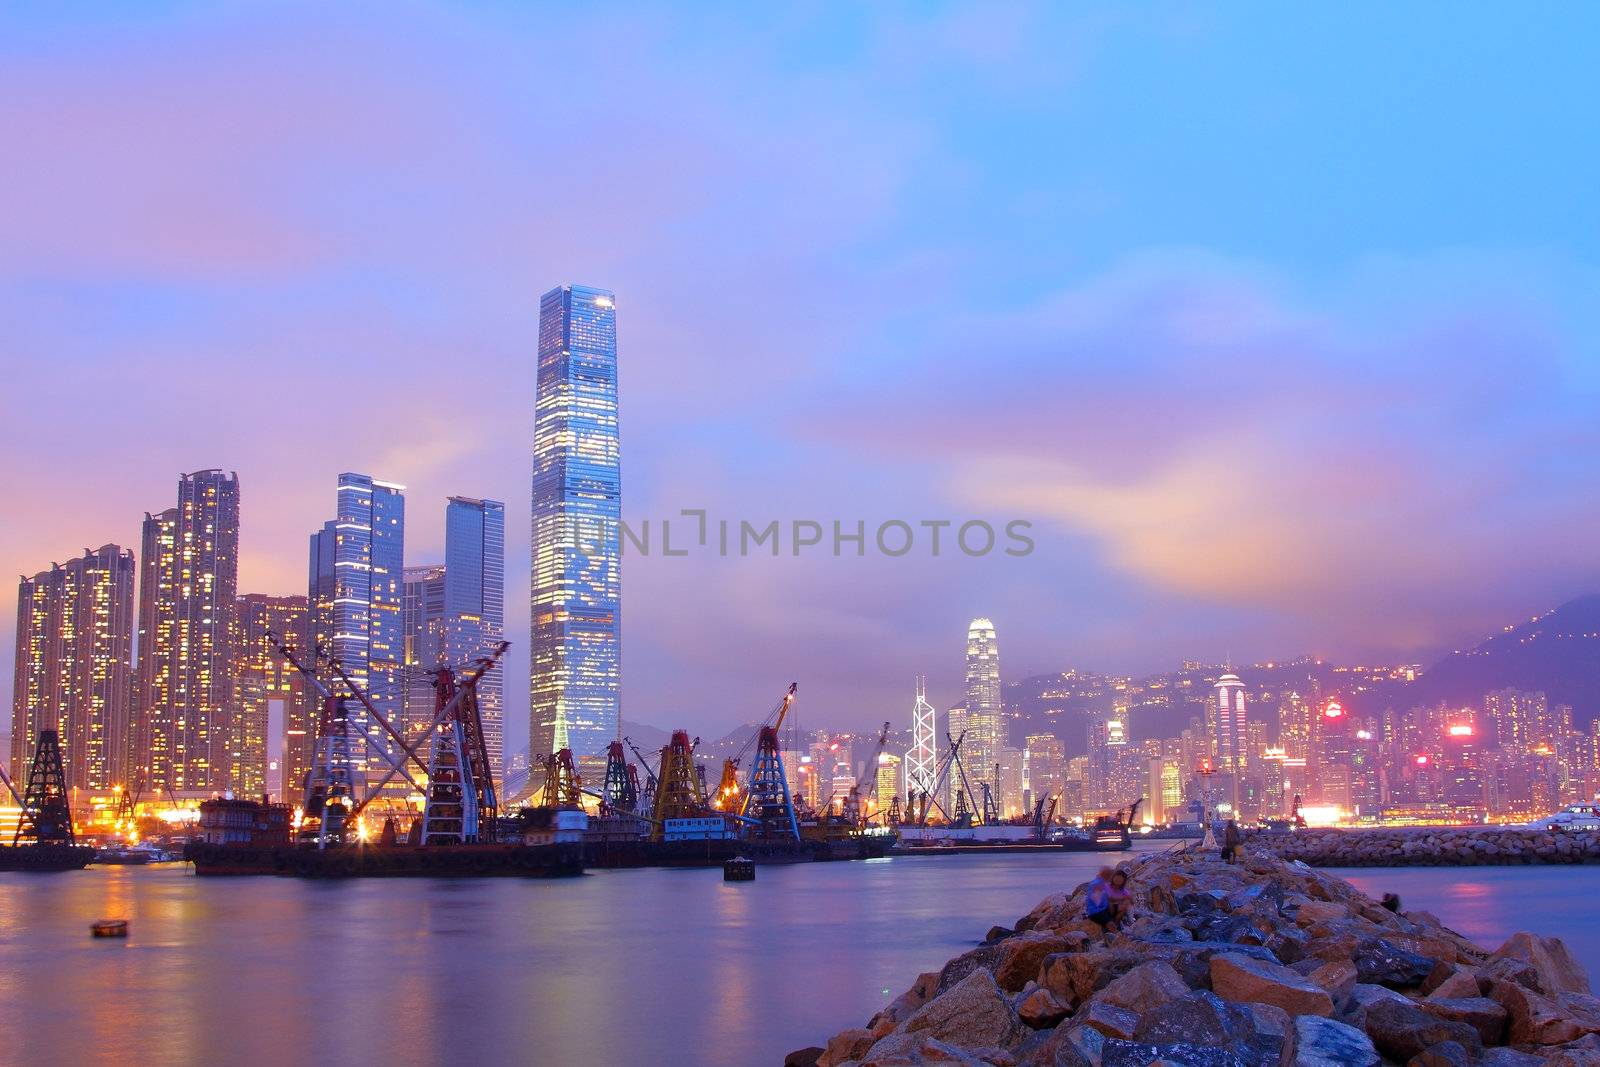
(109, 928)
(739, 869)
(117, 855)
(45, 857)
(564, 859)
(1574, 818)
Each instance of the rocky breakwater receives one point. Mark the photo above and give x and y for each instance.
(1261, 963)
(1426, 847)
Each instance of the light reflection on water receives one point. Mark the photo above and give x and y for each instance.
(620, 967)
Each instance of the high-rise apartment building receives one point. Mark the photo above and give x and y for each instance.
(1227, 725)
(74, 664)
(576, 586)
(422, 623)
(356, 596)
(984, 719)
(266, 686)
(188, 587)
(475, 603)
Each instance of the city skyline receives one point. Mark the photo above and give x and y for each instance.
(1383, 395)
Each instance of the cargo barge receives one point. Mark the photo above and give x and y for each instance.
(45, 857)
(559, 860)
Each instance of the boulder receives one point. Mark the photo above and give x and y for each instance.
(1558, 971)
(846, 1046)
(971, 1013)
(1107, 1018)
(1273, 1026)
(984, 957)
(1509, 1057)
(1316, 911)
(916, 1050)
(803, 1057)
(1484, 1015)
(1041, 1009)
(1507, 969)
(1066, 1046)
(1459, 983)
(1338, 977)
(1401, 1030)
(1149, 985)
(1444, 1054)
(1381, 962)
(1541, 1020)
(1117, 1053)
(1021, 956)
(1323, 1042)
(1239, 978)
(1074, 976)
(1205, 1019)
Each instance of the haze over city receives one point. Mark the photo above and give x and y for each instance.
(925, 264)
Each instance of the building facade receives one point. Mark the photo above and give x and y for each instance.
(1227, 724)
(73, 668)
(188, 588)
(422, 622)
(355, 596)
(984, 719)
(267, 686)
(475, 604)
(575, 591)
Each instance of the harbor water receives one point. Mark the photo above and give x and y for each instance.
(619, 967)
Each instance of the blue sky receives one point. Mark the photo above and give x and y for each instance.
(1277, 322)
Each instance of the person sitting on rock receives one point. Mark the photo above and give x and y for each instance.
(1097, 902)
(1231, 840)
(1121, 900)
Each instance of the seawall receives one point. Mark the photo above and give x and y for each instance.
(1431, 847)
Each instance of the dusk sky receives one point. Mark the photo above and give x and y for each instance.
(1277, 322)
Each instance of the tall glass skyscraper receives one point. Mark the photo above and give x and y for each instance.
(356, 595)
(576, 594)
(188, 588)
(475, 603)
(984, 720)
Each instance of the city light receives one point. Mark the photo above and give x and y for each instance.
(1461, 731)
(1422, 761)
(1334, 710)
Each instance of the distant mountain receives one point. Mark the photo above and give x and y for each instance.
(1557, 653)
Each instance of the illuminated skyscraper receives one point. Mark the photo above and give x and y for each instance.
(1227, 724)
(576, 585)
(422, 623)
(922, 759)
(984, 719)
(356, 594)
(74, 665)
(265, 686)
(188, 586)
(475, 602)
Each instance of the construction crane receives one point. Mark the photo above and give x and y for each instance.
(872, 769)
(990, 815)
(963, 817)
(767, 809)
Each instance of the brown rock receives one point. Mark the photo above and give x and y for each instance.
(1317, 911)
(1021, 955)
(845, 1046)
(1444, 1054)
(1338, 977)
(1458, 984)
(970, 1013)
(1558, 971)
(1539, 1020)
(1486, 1016)
(1240, 978)
(1147, 986)
(803, 1057)
(1073, 976)
(916, 1050)
(1506, 969)
(1108, 1018)
(1042, 1009)
(1402, 1030)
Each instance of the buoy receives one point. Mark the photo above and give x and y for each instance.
(110, 928)
(739, 869)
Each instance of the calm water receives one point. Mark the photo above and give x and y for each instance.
(620, 967)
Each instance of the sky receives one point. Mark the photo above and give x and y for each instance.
(1276, 324)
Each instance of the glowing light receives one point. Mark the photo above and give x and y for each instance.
(1464, 730)
(1320, 814)
(1334, 710)
(1422, 761)
(1363, 735)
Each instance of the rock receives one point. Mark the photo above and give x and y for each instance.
(803, 1057)
(1149, 985)
(1316, 911)
(983, 957)
(970, 1013)
(915, 1050)
(1558, 971)
(1067, 1046)
(1458, 984)
(1193, 961)
(1486, 1016)
(1444, 1054)
(1338, 977)
(1509, 1057)
(1323, 1042)
(1401, 1030)
(1074, 976)
(1273, 1026)
(1205, 1019)
(1540, 1020)
(1042, 1009)
(1021, 956)
(846, 1046)
(1136, 1054)
(1507, 969)
(1381, 962)
(997, 933)
(1107, 1018)
(1239, 978)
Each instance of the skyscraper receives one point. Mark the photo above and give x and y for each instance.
(422, 623)
(922, 759)
(263, 683)
(984, 720)
(475, 602)
(355, 592)
(74, 665)
(1227, 723)
(576, 585)
(188, 585)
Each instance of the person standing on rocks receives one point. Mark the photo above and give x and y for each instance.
(1231, 840)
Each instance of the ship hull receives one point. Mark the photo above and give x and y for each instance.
(45, 857)
(435, 861)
